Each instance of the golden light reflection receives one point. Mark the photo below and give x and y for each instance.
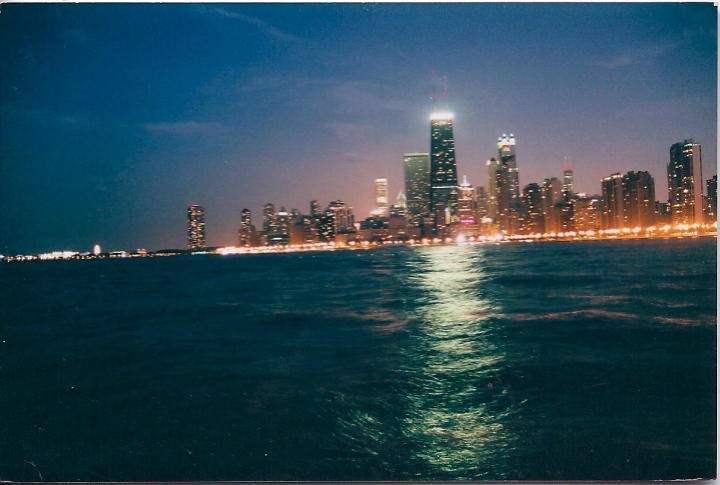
(455, 419)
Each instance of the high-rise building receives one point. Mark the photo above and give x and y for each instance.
(246, 233)
(685, 183)
(613, 216)
(638, 199)
(508, 184)
(567, 186)
(417, 186)
(466, 203)
(381, 196)
(443, 171)
(711, 212)
(196, 227)
(401, 200)
(493, 169)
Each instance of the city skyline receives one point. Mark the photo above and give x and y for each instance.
(116, 152)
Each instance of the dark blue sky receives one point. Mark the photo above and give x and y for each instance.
(114, 118)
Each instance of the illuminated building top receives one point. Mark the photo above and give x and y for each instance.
(441, 115)
(505, 140)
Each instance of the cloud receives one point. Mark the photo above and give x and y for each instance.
(632, 56)
(184, 127)
(263, 26)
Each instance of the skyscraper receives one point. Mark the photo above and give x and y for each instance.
(417, 186)
(508, 184)
(196, 227)
(381, 196)
(443, 171)
(612, 202)
(685, 183)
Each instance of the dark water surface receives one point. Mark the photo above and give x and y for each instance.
(563, 361)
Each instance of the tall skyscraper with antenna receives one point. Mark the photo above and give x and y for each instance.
(443, 167)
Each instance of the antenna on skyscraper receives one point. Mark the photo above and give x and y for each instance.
(445, 91)
(434, 94)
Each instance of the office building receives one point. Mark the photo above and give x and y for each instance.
(196, 227)
(417, 186)
(685, 183)
(443, 172)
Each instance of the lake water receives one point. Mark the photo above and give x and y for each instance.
(549, 361)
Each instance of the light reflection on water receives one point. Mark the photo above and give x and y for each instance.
(458, 404)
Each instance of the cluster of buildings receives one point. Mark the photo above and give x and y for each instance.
(435, 206)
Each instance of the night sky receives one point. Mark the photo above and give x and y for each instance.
(114, 118)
